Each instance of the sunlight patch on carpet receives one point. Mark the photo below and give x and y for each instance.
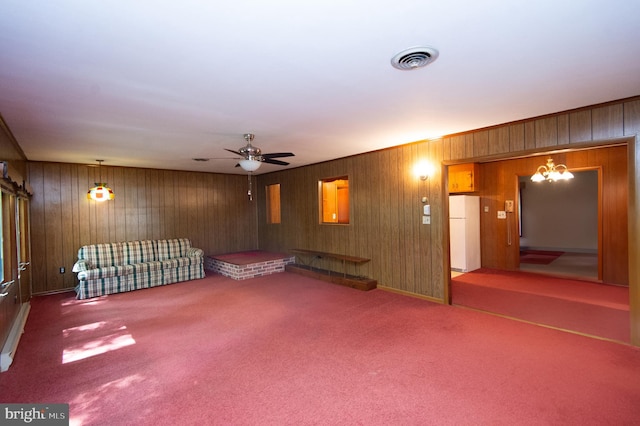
(87, 405)
(79, 347)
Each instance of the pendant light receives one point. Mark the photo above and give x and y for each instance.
(100, 192)
(552, 172)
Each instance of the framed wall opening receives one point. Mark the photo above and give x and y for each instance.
(606, 195)
(273, 203)
(560, 225)
(334, 200)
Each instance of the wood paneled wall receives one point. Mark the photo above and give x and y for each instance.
(212, 210)
(386, 211)
(386, 217)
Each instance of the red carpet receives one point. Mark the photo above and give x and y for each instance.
(285, 349)
(540, 257)
(591, 308)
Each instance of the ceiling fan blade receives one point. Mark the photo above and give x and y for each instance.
(278, 154)
(271, 161)
(235, 152)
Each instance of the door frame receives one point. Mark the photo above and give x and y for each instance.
(633, 223)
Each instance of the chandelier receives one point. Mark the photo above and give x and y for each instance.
(552, 172)
(100, 192)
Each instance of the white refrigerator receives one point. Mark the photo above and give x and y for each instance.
(464, 231)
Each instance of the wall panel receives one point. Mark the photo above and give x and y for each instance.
(608, 121)
(434, 250)
(529, 135)
(38, 235)
(580, 126)
(631, 117)
(516, 137)
(563, 129)
(481, 143)
(458, 146)
(212, 210)
(499, 140)
(546, 131)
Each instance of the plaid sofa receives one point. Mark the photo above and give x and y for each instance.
(117, 267)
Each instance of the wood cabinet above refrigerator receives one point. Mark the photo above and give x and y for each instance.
(464, 178)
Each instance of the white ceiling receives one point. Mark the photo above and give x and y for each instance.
(154, 83)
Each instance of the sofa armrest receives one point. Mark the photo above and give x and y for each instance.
(80, 265)
(195, 252)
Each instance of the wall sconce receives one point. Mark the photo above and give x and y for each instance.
(423, 170)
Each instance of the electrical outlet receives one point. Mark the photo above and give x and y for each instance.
(502, 214)
(62, 269)
(426, 220)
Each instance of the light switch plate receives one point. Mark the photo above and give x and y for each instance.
(502, 214)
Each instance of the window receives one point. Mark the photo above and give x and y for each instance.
(334, 200)
(273, 203)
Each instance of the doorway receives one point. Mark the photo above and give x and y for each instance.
(547, 297)
(559, 226)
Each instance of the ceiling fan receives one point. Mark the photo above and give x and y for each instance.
(252, 157)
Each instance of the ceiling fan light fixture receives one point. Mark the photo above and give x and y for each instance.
(250, 165)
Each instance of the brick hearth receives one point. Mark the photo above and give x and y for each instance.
(255, 264)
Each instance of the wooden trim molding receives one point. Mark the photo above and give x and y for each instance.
(411, 294)
(634, 239)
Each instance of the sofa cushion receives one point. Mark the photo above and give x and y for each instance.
(101, 255)
(105, 272)
(180, 262)
(102, 286)
(146, 274)
(170, 249)
(138, 252)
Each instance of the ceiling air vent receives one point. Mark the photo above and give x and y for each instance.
(414, 58)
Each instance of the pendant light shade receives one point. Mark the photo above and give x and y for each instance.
(250, 165)
(100, 192)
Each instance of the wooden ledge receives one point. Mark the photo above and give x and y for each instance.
(321, 254)
(359, 283)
